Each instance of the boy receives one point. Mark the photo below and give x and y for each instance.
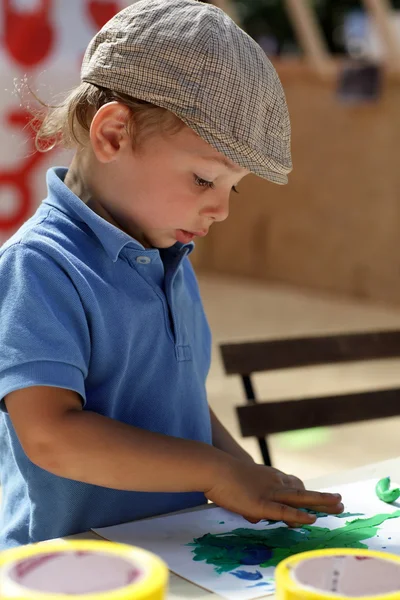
(105, 347)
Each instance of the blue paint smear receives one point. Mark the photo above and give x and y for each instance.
(254, 555)
(247, 575)
(258, 585)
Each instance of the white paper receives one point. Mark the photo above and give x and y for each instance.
(169, 537)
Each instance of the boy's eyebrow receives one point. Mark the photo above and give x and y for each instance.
(224, 161)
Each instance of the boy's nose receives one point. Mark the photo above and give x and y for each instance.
(218, 210)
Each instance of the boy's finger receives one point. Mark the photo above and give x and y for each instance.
(251, 520)
(277, 511)
(330, 510)
(304, 498)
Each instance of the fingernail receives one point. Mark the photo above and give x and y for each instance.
(312, 518)
(338, 496)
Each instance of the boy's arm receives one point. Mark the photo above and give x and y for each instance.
(60, 437)
(223, 440)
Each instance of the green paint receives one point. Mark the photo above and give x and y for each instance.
(345, 515)
(228, 551)
(222, 522)
(350, 535)
(320, 515)
(384, 492)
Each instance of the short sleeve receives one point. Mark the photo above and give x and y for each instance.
(44, 334)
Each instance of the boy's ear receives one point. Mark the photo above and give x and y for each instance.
(109, 131)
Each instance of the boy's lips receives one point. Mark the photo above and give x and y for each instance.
(185, 237)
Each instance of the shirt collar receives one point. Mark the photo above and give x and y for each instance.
(111, 238)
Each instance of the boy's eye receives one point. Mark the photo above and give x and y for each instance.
(209, 184)
(203, 182)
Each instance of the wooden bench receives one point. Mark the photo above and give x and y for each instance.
(260, 419)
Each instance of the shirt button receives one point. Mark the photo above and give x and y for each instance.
(143, 260)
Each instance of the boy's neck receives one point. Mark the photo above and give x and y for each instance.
(78, 180)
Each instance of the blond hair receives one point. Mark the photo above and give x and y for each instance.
(68, 124)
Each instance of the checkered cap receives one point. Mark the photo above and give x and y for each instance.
(192, 59)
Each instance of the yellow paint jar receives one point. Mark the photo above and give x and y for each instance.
(339, 574)
(85, 570)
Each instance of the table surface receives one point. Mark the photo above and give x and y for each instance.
(180, 589)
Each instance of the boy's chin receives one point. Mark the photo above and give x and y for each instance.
(163, 242)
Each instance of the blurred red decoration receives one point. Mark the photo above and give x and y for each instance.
(19, 176)
(101, 12)
(29, 38)
(29, 35)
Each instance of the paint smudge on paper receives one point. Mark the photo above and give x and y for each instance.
(320, 515)
(247, 575)
(270, 584)
(266, 548)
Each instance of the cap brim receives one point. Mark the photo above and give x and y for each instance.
(243, 155)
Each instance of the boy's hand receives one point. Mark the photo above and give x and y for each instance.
(257, 492)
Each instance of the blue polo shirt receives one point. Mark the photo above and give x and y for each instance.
(84, 306)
